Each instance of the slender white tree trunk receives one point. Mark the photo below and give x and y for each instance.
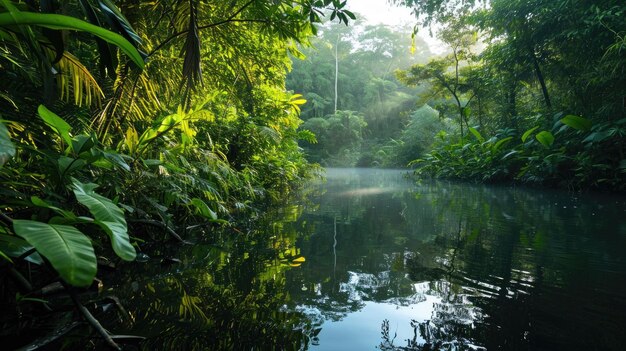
(336, 70)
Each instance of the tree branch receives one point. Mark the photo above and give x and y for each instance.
(230, 18)
(93, 321)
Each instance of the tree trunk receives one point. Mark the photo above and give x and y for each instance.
(336, 70)
(540, 78)
(511, 108)
(480, 113)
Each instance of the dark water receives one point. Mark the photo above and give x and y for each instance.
(369, 260)
(461, 266)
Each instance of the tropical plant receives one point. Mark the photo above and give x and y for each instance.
(186, 127)
(531, 74)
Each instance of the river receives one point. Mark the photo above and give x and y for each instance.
(368, 259)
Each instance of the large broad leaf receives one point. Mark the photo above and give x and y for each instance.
(545, 138)
(120, 242)
(69, 251)
(67, 165)
(108, 216)
(42, 203)
(56, 123)
(576, 122)
(53, 21)
(499, 144)
(7, 150)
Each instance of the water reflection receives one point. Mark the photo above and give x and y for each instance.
(370, 260)
(226, 292)
(452, 266)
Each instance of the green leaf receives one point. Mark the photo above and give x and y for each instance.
(545, 138)
(54, 21)
(307, 135)
(350, 14)
(477, 134)
(499, 144)
(576, 122)
(108, 216)
(203, 208)
(509, 154)
(597, 137)
(152, 162)
(116, 159)
(56, 123)
(69, 251)
(119, 22)
(41, 203)
(7, 149)
(82, 143)
(106, 56)
(118, 233)
(528, 133)
(3, 255)
(67, 165)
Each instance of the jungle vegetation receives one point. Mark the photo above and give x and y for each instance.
(528, 91)
(129, 122)
(356, 107)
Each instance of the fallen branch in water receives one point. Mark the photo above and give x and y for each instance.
(92, 320)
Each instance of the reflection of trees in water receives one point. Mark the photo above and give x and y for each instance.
(511, 268)
(531, 262)
(227, 293)
(427, 336)
(452, 322)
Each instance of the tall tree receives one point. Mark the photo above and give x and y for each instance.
(446, 75)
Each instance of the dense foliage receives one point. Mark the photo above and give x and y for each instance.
(547, 91)
(527, 91)
(129, 122)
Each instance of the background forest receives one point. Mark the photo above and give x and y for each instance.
(532, 91)
(371, 109)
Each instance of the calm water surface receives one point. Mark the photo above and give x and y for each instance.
(370, 260)
(461, 266)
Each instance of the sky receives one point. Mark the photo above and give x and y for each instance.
(379, 11)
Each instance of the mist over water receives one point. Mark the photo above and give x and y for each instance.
(368, 259)
(459, 265)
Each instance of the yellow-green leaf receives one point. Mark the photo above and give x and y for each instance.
(54, 21)
(7, 149)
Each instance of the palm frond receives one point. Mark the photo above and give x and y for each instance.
(192, 69)
(180, 17)
(135, 98)
(75, 80)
